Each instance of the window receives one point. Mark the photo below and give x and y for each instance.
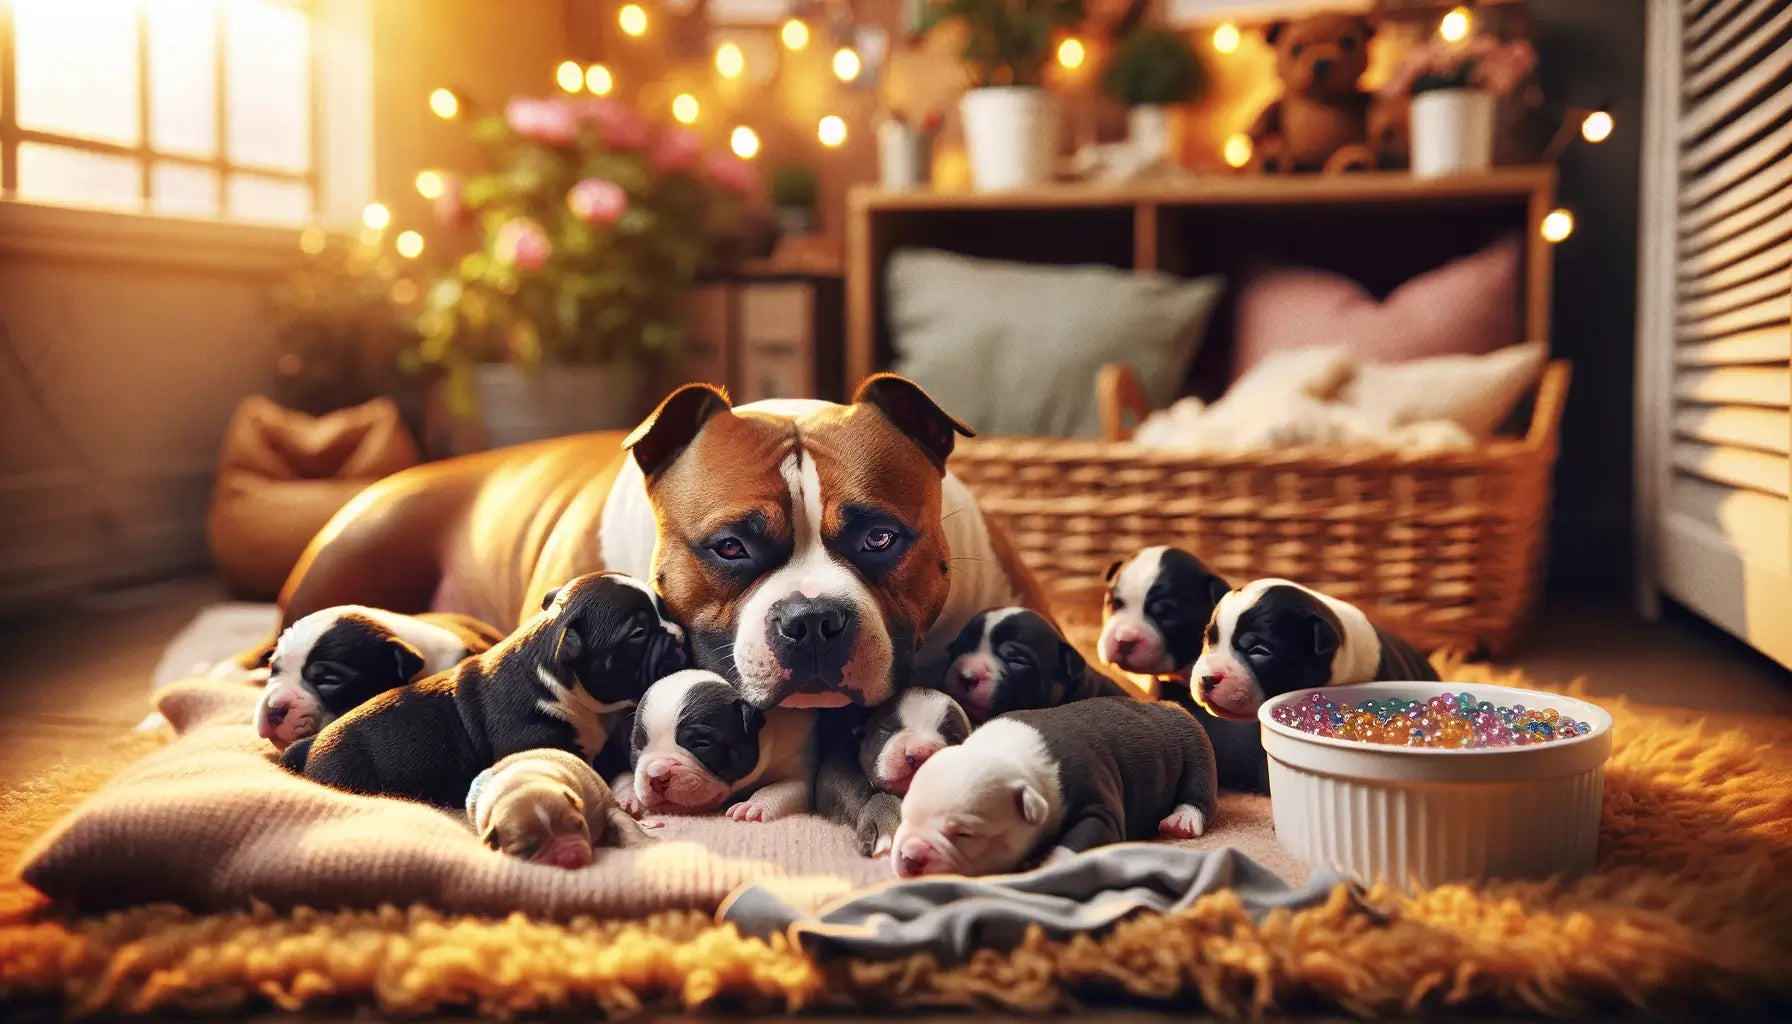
(185, 108)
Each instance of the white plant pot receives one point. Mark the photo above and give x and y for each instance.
(1148, 132)
(518, 405)
(1012, 135)
(1452, 132)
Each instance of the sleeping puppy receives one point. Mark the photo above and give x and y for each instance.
(1010, 659)
(1064, 780)
(559, 681)
(548, 807)
(1272, 636)
(332, 661)
(902, 734)
(1157, 605)
(697, 742)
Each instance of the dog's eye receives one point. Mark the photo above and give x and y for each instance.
(1297, 48)
(880, 539)
(1115, 603)
(1347, 44)
(527, 851)
(1162, 610)
(729, 549)
(638, 634)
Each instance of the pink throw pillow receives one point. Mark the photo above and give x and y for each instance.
(1468, 306)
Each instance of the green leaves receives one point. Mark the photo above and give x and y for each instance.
(1007, 42)
(1154, 66)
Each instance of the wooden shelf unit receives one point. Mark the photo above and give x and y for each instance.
(1378, 228)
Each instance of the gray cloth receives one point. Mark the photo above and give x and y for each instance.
(953, 916)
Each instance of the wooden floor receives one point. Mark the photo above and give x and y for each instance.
(76, 677)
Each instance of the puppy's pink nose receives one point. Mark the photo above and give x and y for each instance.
(658, 783)
(1125, 645)
(570, 857)
(917, 754)
(909, 865)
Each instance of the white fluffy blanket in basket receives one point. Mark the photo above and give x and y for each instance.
(1323, 396)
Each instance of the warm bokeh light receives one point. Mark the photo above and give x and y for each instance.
(684, 108)
(1071, 53)
(744, 141)
(831, 131)
(404, 291)
(444, 104)
(1597, 127)
(632, 19)
(599, 80)
(312, 240)
(1225, 38)
(569, 76)
(846, 64)
(730, 62)
(1558, 225)
(409, 245)
(1454, 28)
(1237, 150)
(795, 34)
(430, 184)
(376, 216)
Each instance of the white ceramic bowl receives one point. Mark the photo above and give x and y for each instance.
(1423, 815)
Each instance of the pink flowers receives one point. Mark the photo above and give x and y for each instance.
(1480, 62)
(522, 244)
(451, 207)
(548, 122)
(617, 126)
(731, 174)
(677, 151)
(596, 201)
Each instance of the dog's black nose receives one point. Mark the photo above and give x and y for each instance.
(1322, 67)
(813, 634)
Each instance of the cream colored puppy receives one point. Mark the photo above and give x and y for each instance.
(549, 807)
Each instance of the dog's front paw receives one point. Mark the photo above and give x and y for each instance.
(778, 800)
(1185, 822)
(623, 788)
(878, 819)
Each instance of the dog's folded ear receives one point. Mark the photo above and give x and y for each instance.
(1071, 662)
(669, 429)
(1216, 589)
(914, 413)
(410, 660)
(553, 594)
(1325, 637)
(1113, 570)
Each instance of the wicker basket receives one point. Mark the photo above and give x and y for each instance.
(1444, 549)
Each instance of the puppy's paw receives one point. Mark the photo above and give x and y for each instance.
(1185, 822)
(876, 830)
(622, 787)
(746, 810)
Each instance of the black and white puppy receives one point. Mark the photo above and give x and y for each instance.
(903, 733)
(1071, 778)
(1272, 636)
(697, 743)
(1010, 659)
(1157, 605)
(560, 681)
(334, 660)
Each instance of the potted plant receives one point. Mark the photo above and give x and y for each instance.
(1151, 69)
(793, 193)
(591, 230)
(1453, 87)
(1010, 122)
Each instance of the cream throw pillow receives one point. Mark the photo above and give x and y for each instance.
(1475, 392)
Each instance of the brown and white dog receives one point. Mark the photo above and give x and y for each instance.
(815, 551)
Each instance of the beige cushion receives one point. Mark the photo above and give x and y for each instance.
(1475, 392)
(1013, 348)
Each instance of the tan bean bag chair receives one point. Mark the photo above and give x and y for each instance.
(283, 474)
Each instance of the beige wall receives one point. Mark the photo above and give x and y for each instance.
(134, 339)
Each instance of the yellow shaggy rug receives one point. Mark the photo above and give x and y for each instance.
(1690, 911)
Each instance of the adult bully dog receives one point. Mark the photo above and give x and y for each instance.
(815, 550)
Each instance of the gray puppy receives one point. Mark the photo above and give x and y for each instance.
(1057, 780)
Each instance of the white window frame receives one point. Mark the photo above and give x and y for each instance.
(341, 174)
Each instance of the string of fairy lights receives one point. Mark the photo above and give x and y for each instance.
(794, 34)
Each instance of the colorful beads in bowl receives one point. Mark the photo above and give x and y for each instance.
(1449, 720)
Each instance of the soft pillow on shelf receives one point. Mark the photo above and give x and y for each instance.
(1468, 306)
(1013, 348)
(1475, 392)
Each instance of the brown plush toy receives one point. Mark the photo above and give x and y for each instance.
(1320, 123)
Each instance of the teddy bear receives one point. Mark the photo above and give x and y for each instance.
(1320, 123)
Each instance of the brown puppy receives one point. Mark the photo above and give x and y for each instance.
(549, 807)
